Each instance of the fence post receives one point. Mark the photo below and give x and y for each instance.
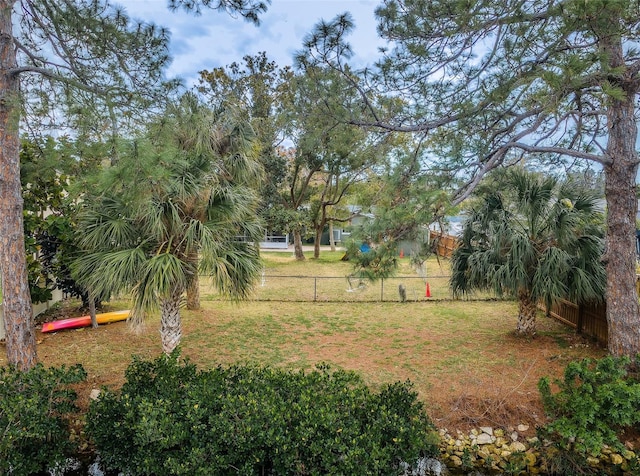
(580, 318)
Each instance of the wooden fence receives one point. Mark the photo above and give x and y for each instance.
(587, 319)
(443, 244)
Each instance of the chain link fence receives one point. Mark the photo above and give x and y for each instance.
(346, 289)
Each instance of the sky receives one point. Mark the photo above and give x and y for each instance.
(216, 39)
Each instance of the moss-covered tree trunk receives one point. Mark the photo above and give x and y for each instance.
(17, 309)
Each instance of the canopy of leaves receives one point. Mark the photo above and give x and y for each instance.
(185, 189)
(532, 232)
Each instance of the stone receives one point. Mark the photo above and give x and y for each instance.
(95, 394)
(522, 428)
(593, 462)
(515, 436)
(484, 439)
(501, 442)
(616, 458)
(530, 459)
(516, 446)
(498, 432)
(456, 461)
(486, 429)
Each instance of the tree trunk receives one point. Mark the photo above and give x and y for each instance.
(316, 244)
(18, 312)
(297, 245)
(319, 229)
(332, 241)
(526, 314)
(620, 190)
(193, 284)
(170, 325)
(92, 311)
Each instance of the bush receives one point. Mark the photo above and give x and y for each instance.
(595, 401)
(171, 419)
(34, 409)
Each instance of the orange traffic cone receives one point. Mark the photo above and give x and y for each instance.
(428, 291)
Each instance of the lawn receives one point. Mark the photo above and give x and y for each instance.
(462, 356)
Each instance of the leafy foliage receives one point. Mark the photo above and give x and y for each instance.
(34, 410)
(595, 401)
(48, 170)
(534, 238)
(407, 201)
(252, 420)
(174, 206)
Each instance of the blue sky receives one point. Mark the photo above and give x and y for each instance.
(216, 39)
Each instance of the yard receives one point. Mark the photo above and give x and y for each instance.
(462, 356)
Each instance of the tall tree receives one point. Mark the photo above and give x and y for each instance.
(100, 65)
(533, 238)
(558, 79)
(61, 47)
(260, 89)
(165, 203)
(220, 136)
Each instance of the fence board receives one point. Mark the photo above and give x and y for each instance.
(586, 319)
(444, 244)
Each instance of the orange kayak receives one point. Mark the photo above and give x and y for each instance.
(85, 321)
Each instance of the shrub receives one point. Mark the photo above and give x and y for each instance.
(171, 419)
(34, 409)
(595, 401)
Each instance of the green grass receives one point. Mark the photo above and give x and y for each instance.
(446, 348)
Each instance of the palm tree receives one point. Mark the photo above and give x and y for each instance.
(166, 212)
(219, 135)
(534, 238)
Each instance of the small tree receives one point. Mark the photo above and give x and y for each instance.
(534, 238)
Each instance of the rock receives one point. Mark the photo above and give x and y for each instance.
(500, 442)
(522, 428)
(487, 429)
(456, 461)
(484, 439)
(530, 459)
(593, 462)
(616, 458)
(498, 432)
(95, 394)
(515, 436)
(516, 446)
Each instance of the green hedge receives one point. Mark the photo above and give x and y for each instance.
(35, 407)
(169, 418)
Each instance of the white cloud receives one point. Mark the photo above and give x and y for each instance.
(216, 39)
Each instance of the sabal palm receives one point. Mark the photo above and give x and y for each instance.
(157, 206)
(201, 134)
(534, 238)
